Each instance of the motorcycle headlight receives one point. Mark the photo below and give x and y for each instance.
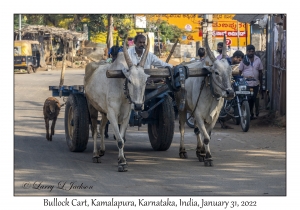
(242, 88)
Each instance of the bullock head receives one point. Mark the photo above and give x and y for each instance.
(136, 78)
(220, 73)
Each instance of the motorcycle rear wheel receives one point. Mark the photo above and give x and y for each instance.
(190, 122)
(245, 116)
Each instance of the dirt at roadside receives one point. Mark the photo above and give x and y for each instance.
(270, 118)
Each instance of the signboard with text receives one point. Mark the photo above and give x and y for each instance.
(228, 41)
(222, 23)
(229, 33)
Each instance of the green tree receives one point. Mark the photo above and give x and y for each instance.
(95, 22)
(16, 21)
(164, 29)
(45, 19)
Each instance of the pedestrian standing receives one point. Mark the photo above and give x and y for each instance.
(220, 50)
(201, 53)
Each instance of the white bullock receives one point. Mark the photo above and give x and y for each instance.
(114, 98)
(204, 99)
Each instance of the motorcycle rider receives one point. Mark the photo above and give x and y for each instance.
(251, 68)
(236, 58)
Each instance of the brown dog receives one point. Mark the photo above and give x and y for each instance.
(51, 110)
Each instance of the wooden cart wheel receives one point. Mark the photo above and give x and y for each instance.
(76, 123)
(161, 134)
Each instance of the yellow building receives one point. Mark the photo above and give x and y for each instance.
(222, 23)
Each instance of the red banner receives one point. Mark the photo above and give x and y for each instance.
(229, 33)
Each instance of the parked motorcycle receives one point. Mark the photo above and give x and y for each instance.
(237, 109)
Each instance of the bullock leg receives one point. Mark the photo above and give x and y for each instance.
(102, 131)
(122, 136)
(94, 117)
(106, 131)
(182, 119)
(47, 128)
(123, 128)
(206, 138)
(53, 127)
(112, 116)
(209, 128)
(200, 150)
(98, 133)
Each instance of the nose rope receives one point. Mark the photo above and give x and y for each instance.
(126, 91)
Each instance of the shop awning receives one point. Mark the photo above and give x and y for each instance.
(248, 18)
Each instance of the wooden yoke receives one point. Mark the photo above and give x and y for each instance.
(159, 73)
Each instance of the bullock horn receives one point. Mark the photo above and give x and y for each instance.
(209, 52)
(126, 55)
(143, 59)
(224, 54)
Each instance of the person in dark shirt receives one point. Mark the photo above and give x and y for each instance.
(236, 58)
(201, 53)
(113, 52)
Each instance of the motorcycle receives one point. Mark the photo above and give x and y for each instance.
(237, 108)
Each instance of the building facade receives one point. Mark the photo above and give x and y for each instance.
(237, 33)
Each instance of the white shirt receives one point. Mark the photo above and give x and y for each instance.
(151, 59)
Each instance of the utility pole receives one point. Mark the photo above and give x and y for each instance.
(238, 35)
(109, 39)
(20, 34)
(207, 27)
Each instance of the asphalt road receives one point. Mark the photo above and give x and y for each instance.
(245, 164)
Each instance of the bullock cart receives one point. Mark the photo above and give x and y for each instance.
(158, 111)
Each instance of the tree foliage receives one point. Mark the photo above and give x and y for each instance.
(166, 30)
(97, 23)
(16, 21)
(123, 24)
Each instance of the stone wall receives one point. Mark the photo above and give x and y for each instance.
(182, 50)
(259, 41)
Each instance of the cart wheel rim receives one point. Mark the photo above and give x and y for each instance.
(70, 122)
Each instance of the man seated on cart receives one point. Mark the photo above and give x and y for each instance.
(136, 53)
